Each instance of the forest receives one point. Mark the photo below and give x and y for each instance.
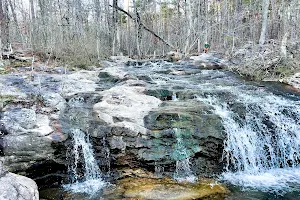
(82, 32)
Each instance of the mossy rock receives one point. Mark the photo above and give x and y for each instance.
(6, 99)
(162, 94)
(20, 64)
(3, 71)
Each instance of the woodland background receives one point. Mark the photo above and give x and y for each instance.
(82, 32)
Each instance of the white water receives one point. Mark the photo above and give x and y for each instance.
(90, 182)
(262, 150)
(183, 166)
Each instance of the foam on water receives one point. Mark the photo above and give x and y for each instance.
(273, 180)
(90, 182)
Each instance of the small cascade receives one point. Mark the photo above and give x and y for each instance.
(84, 171)
(183, 170)
(262, 149)
(174, 97)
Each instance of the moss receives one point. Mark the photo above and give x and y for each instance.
(20, 64)
(284, 71)
(81, 66)
(7, 98)
(3, 72)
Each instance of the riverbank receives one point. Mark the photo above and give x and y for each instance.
(270, 62)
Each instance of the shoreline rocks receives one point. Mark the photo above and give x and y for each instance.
(16, 187)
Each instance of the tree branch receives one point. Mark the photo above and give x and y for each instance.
(143, 26)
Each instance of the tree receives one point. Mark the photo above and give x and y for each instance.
(265, 11)
(4, 21)
(2, 25)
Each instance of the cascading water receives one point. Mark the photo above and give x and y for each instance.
(262, 149)
(183, 166)
(88, 179)
(262, 124)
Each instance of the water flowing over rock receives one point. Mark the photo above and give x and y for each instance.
(89, 180)
(183, 166)
(262, 148)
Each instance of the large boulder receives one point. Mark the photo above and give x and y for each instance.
(181, 130)
(27, 138)
(208, 61)
(16, 187)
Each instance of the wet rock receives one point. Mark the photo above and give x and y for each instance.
(174, 56)
(116, 142)
(200, 134)
(162, 94)
(145, 188)
(3, 169)
(140, 173)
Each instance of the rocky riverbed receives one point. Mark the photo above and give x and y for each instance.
(145, 120)
(132, 122)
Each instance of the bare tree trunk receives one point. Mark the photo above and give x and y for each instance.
(264, 22)
(4, 20)
(188, 11)
(138, 30)
(283, 45)
(97, 20)
(115, 27)
(33, 24)
(2, 25)
(12, 8)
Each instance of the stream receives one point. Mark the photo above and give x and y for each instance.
(261, 121)
(156, 119)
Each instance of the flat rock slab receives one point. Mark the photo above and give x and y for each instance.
(126, 106)
(162, 189)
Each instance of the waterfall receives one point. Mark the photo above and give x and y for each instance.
(183, 166)
(174, 97)
(85, 173)
(262, 149)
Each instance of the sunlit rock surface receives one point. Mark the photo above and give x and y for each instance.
(145, 188)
